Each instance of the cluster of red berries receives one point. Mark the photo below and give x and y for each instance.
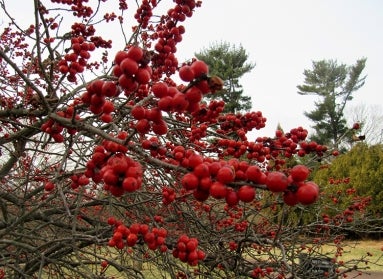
(213, 178)
(339, 180)
(154, 146)
(149, 119)
(209, 113)
(77, 7)
(55, 129)
(76, 61)
(168, 195)
(347, 215)
(81, 10)
(295, 188)
(110, 164)
(255, 150)
(234, 214)
(144, 12)
(187, 250)
(173, 100)
(311, 147)
(121, 174)
(78, 180)
(168, 34)
(183, 9)
(198, 132)
(131, 68)
(241, 122)
(123, 236)
(95, 96)
(217, 179)
(197, 69)
(265, 148)
(259, 272)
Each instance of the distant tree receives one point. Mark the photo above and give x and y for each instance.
(334, 85)
(358, 170)
(229, 63)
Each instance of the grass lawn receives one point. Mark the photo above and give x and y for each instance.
(354, 250)
(365, 248)
(370, 250)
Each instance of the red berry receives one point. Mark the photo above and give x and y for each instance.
(130, 184)
(165, 103)
(58, 137)
(160, 89)
(154, 114)
(226, 175)
(356, 126)
(218, 190)
(131, 240)
(143, 126)
(180, 103)
(136, 53)
(246, 193)
(290, 198)
(118, 163)
(299, 173)
(189, 181)
(108, 107)
(232, 198)
(160, 127)
(308, 193)
(83, 180)
(129, 66)
(195, 160)
(202, 170)
(186, 73)
(49, 186)
(192, 244)
(193, 95)
(120, 56)
(199, 68)
(109, 89)
(205, 183)
(104, 264)
(200, 195)
(97, 100)
(253, 173)
(63, 69)
(143, 76)
(276, 181)
(335, 153)
(138, 112)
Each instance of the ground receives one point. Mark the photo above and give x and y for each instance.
(370, 275)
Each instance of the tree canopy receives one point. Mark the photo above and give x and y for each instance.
(334, 85)
(360, 169)
(230, 63)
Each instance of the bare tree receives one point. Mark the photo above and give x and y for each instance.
(109, 168)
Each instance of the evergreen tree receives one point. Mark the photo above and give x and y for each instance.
(229, 63)
(334, 85)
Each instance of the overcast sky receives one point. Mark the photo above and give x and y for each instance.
(283, 38)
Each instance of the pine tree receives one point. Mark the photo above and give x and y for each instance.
(229, 63)
(334, 84)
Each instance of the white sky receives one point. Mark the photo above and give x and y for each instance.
(283, 38)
